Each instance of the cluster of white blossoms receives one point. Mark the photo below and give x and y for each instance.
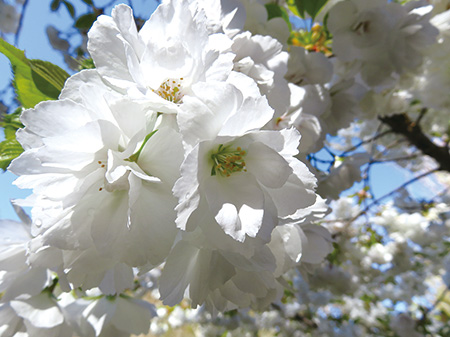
(160, 155)
(381, 40)
(179, 165)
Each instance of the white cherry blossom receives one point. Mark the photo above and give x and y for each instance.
(227, 164)
(105, 165)
(158, 64)
(385, 39)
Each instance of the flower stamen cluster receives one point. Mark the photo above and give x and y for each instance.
(227, 161)
(170, 90)
(315, 40)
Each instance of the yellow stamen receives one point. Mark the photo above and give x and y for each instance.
(170, 90)
(227, 161)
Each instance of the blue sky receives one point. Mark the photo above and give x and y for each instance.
(34, 41)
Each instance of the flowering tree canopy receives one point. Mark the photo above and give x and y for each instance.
(209, 169)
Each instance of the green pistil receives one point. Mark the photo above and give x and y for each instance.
(227, 161)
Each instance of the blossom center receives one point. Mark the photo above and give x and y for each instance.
(170, 90)
(227, 160)
(315, 40)
(120, 184)
(361, 27)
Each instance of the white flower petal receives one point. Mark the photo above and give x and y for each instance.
(41, 311)
(269, 168)
(237, 204)
(132, 315)
(99, 314)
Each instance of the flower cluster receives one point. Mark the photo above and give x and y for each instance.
(183, 165)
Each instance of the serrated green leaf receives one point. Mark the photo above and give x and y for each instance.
(27, 91)
(275, 11)
(49, 78)
(85, 21)
(70, 8)
(9, 150)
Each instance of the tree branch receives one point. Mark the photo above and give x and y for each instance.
(412, 131)
(19, 27)
(376, 201)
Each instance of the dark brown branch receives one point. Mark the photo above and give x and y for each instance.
(412, 131)
(430, 309)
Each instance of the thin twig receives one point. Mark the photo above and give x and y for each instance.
(430, 309)
(367, 185)
(330, 152)
(376, 201)
(19, 27)
(423, 111)
(379, 161)
(379, 135)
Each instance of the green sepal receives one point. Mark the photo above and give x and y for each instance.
(9, 150)
(87, 64)
(135, 156)
(11, 123)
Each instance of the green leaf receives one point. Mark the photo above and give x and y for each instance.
(85, 21)
(70, 8)
(293, 8)
(313, 7)
(49, 78)
(275, 11)
(88, 2)
(27, 91)
(299, 5)
(9, 150)
(34, 80)
(55, 5)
